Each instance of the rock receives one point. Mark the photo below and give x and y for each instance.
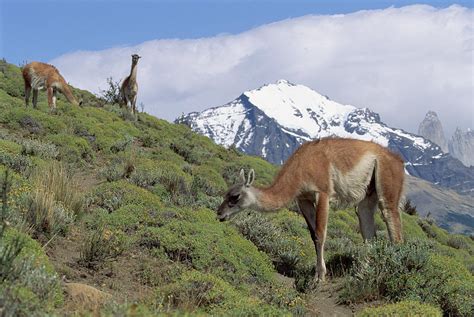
(84, 297)
(461, 146)
(432, 129)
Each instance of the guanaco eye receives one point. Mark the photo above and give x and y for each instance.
(233, 199)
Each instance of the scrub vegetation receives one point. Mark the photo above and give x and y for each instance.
(126, 205)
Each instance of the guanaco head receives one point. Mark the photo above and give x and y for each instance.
(135, 58)
(238, 197)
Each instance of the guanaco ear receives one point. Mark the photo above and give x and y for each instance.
(251, 178)
(242, 176)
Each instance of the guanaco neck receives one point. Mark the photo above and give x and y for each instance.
(278, 195)
(69, 96)
(133, 73)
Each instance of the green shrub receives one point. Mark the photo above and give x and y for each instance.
(10, 79)
(196, 291)
(101, 245)
(72, 148)
(10, 147)
(34, 147)
(113, 195)
(28, 284)
(207, 181)
(147, 173)
(458, 242)
(270, 239)
(206, 245)
(409, 271)
(405, 308)
(17, 162)
(121, 145)
(111, 95)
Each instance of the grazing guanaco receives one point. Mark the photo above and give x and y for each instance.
(345, 172)
(129, 88)
(37, 76)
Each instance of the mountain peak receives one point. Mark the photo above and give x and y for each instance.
(273, 120)
(432, 129)
(284, 82)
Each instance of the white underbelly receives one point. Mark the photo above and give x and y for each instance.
(348, 189)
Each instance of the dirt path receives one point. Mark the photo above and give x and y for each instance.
(323, 301)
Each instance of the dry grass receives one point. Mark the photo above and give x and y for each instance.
(54, 201)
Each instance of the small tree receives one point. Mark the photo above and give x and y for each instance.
(112, 93)
(409, 208)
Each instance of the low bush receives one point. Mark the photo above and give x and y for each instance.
(101, 245)
(204, 244)
(270, 239)
(121, 145)
(34, 147)
(203, 292)
(72, 148)
(409, 271)
(28, 284)
(17, 162)
(458, 242)
(111, 196)
(207, 181)
(405, 308)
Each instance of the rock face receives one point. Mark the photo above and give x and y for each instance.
(432, 129)
(274, 120)
(461, 146)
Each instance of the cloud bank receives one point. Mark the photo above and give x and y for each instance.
(400, 62)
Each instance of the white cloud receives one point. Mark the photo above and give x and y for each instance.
(400, 62)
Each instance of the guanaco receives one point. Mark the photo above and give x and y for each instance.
(38, 76)
(344, 172)
(129, 88)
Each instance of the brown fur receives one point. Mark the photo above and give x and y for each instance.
(345, 171)
(37, 75)
(129, 87)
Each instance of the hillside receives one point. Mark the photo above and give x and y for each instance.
(108, 214)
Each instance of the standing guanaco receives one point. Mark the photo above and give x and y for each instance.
(129, 88)
(345, 172)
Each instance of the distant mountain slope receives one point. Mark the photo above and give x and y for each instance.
(275, 119)
(450, 210)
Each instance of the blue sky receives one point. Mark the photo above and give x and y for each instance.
(43, 30)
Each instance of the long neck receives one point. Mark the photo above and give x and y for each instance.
(69, 96)
(133, 73)
(284, 189)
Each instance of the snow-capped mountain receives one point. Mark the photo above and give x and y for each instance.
(275, 119)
